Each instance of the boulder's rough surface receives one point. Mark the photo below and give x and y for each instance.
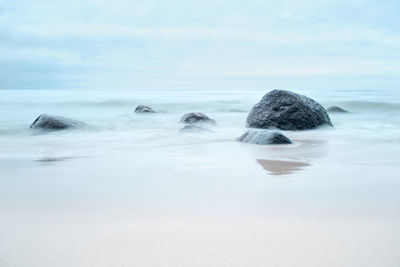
(335, 109)
(195, 117)
(264, 137)
(50, 122)
(193, 129)
(287, 111)
(144, 109)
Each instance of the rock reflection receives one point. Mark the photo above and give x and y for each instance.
(53, 159)
(281, 167)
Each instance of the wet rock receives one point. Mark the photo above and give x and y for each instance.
(264, 137)
(196, 117)
(193, 129)
(144, 109)
(335, 109)
(287, 111)
(50, 122)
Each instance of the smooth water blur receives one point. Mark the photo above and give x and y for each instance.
(123, 183)
(373, 117)
(151, 146)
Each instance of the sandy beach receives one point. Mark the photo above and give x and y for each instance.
(317, 202)
(132, 190)
(117, 239)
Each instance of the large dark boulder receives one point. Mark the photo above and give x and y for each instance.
(264, 137)
(195, 117)
(50, 122)
(144, 109)
(335, 109)
(287, 111)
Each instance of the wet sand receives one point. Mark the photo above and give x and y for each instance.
(281, 167)
(189, 202)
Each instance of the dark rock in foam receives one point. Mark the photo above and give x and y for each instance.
(287, 111)
(195, 117)
(263, 137)
(50, 122)
(144, 109)
(193, 129)
(335, 109)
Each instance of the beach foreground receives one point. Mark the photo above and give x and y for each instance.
(93, 239)
(133, 191)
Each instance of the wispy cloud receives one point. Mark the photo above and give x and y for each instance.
(134, 44)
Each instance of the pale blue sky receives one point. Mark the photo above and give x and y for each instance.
(199, 44)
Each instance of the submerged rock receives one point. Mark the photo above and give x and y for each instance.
(195, 117)
(287, 111)
(335, 109)
(264, 137)
(50, 122)
(193, 129)
(144, 109)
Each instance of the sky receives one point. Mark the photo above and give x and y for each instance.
(133, 44)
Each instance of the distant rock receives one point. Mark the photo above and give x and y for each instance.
(50, 122)
(335, 109)
(287, 111)
(193, 129)
(196, 117)
(144, 109)
(264, 137)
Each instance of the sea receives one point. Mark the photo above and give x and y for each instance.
(132, 190)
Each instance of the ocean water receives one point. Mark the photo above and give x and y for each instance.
(130, 190)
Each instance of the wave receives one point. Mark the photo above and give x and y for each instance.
(369, 105)
(232, 106)
(106, 103)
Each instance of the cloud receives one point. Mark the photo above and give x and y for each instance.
(62, 44)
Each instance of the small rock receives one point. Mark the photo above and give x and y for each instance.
(50, 122)
(335, 109)
(144, 109)
(196, 117)
(263, 138)
(193, 129)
